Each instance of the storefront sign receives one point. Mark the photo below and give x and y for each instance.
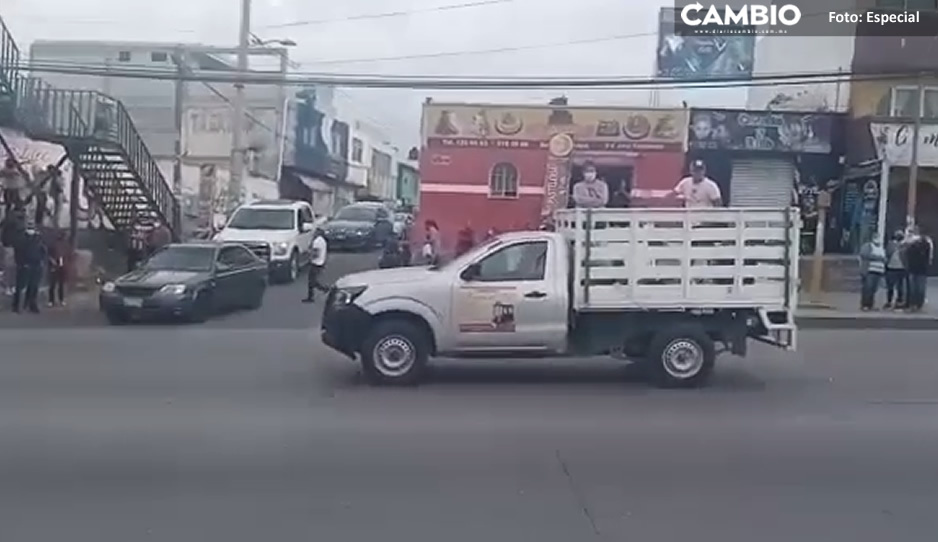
(557, 176)
(894, 144)
(761, 131)
(531, 127)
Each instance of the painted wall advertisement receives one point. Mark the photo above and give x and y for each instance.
(894, 144)
(532, 127)
(760, 131)
(688, 57)
(207, 134)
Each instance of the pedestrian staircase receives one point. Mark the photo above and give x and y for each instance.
(99, 138)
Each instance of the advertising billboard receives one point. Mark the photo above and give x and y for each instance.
(684, 56)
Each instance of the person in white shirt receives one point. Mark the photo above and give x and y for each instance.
(698, 190)
(320, 251)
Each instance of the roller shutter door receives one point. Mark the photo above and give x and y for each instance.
(762, 183)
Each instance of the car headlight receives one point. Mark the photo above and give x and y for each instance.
(173, 289)
(345, 296)
(364, 231)
(280, 249)
(108, 287)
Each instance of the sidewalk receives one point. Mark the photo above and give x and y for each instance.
(841, 310)
(81, 309)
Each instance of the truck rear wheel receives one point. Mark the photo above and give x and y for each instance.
(681, 357)
(395, 352)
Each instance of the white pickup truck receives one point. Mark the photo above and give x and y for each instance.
(668, 288)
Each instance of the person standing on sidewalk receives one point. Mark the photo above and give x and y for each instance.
(136, 245)
(29, 253)
(896, 275)
(59, 251)
(159, 237)
(317, 264)
(872, 268)
(918, 257)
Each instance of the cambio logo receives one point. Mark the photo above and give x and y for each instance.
(747, 15)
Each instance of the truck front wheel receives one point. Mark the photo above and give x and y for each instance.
(395, 352)
(681, 357)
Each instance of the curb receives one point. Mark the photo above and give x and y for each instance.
(884, 323)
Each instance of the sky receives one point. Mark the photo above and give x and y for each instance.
(534, 38)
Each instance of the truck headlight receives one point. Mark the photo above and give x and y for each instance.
(345, 296)
(108, 287)
(173, 289)
(281, 249)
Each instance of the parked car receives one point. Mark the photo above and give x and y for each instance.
(187, 281)
(279, 231)
(361, 225)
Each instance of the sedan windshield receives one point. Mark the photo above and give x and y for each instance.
(182, 258)
(357, 214)
(262, 219)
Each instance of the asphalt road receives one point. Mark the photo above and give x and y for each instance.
(231, 433)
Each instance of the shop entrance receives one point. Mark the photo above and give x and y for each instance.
(618, 178)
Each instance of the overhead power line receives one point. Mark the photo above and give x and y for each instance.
(466, 82)
(388, 14)
(504, 49)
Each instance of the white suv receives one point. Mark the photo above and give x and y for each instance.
(279, 231)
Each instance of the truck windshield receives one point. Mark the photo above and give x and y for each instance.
(357, 214)
(262, 219)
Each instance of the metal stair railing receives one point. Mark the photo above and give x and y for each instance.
(137, 153)
(9, 59)
(65, 116)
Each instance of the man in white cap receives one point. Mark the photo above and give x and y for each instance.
(698, 190)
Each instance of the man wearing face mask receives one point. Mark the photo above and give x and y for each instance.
(592, 192)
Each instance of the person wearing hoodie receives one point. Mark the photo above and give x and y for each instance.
(918, 255)
(872, 269)
(896, 275)
(29, 253)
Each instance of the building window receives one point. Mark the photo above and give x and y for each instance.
(503, 182)
(158, 56)
(123, 56)
(358, 150)
(910, 5)
(902, 101)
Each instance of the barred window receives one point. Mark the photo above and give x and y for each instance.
(503, 182)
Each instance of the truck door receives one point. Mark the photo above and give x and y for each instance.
(509, 300)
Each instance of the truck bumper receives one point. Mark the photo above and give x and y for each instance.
(344, 327)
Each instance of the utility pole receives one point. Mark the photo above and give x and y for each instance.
(280, 135)
(235, 182)
(179, 58)
(913, 165)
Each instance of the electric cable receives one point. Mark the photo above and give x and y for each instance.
(462, 82)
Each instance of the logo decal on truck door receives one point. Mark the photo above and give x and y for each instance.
(486, 310)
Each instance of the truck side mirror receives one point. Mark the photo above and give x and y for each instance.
(472, 272)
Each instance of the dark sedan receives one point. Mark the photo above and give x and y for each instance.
(359, 226)
(190, 281)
